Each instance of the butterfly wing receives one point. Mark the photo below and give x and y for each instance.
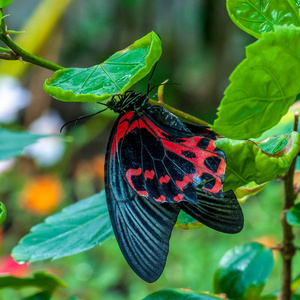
(142, 228)
(166, 162)
(221, 214)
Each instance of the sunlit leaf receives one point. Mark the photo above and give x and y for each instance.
(2, 213)
(41, 280)
(243, 271)
(4, 3)
(77, 228)
(114, 76)
(180, 295)
(295, 284)
(293, 216)
(185, 221)
(247, 162)
(249, 189)
(261, 91)
(13, 142)
(257, 17)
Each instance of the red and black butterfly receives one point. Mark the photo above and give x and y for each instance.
(155, 166)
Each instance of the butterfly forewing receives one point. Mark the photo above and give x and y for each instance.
(165, 163)
(142, 228)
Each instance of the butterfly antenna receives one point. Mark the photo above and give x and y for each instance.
(149, 81)
(81, 118)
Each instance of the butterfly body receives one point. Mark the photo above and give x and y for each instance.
(155, 166)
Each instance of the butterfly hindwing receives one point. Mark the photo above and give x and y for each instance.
(221, 214)
(142, 228)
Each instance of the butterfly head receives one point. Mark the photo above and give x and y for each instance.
(127, 101)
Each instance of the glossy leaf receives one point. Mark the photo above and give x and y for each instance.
(185, 221)
(243, 271)
(77, 228)
(261, 91)
(45, 295)
(180, 295)
(114, 76)
(247, 162)
(13, 142)
(2, 213)
(259, 16)
(4, 3)
(41, 280)
(293, 216)
(249, 189)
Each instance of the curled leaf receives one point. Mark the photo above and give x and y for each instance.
(261, 91)
(247, 190)
(114, 76)
(247, 162)
(256, 17)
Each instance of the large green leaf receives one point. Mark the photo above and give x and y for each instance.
(243, 271)
(181, 295)
(4, 3)
(261, 89)
(41, 280)
(259, 16)
(293, 216)
(247, 162)
(77, 228)
(114, 76)
(13, 142)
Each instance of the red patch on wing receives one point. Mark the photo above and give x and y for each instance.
(178, 197)
(161, 199)
(181, 184)
(149, 174)
(132, 172)
(164, 179)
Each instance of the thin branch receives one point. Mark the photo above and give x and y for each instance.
(288, 248)
(19, 53)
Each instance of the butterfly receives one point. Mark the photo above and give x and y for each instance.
(156, 166)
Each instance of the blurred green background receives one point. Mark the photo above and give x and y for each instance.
(201, 47)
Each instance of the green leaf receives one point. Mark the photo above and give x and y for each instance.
(41, 280)
(249, 189)
(247, 162)
(261, 89)
(2, 213)
(180, 295)
(243, 271)
(114, 76)
(77, 228)
(293, 216)
(13, 142)
(295, 284)
(257, 17)
(39, 296)
(185, 221)
(4, 3)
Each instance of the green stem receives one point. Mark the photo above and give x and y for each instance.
(180, 114)
(19, 53)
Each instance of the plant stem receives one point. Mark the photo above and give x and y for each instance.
(288, 248)
(180, 114)
(20, 54)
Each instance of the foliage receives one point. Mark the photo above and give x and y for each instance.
(77, 228)
(263, 88)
